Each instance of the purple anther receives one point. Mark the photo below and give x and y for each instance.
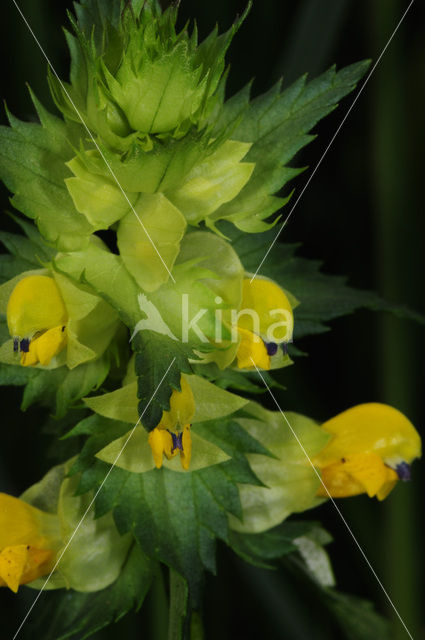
(177, 441)
(284, 346)
(271, 348)
(15, 344)
(25, 345)
(403, 471)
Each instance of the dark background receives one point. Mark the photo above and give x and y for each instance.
(363, 215)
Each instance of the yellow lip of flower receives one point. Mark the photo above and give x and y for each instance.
(29, 540)
(372, 447)
(37, 317)
(172, 435)
(266, 300)
(252, 350)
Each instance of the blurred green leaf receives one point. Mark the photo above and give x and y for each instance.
(322, 297)
(72, 614)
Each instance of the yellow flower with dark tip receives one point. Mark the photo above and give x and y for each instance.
(264, 322)
(372, 448)
(172, 435)
(29, 541)
(37, 317)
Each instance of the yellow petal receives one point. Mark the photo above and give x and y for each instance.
(360, 473)
(29, 358)
(252, 350)
(157, 446)
(13, 561)
(272, 307)
(20, 523)
(35, 304)
(182, 407)
(21, 564)
(161, 442)
(186, 453)
(49, 344)
(371, 427)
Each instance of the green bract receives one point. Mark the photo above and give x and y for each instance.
(94, 558)
(134, 75)
(207, 277)
(211, 402)
(290, 482)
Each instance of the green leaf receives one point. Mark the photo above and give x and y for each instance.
(177, 516)
(100, 431)
(321, 297)
(160, 361)
(258, 548)
(27, 251)
(16, 375)
(57, 389)
(311, 548)
(23, 248)
(69, 614)
(32, 165)
(355, 617)
(245, 381)
(277, 123)
(11, 266)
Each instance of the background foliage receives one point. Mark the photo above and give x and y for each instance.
(361, 215)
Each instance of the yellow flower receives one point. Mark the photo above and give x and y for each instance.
(265, 321)
(37, 317)
(29, 540)
(173, 432)
(372, 447)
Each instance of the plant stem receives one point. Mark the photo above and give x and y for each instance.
(179, 616)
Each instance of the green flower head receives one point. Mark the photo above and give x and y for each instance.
(134, 75)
